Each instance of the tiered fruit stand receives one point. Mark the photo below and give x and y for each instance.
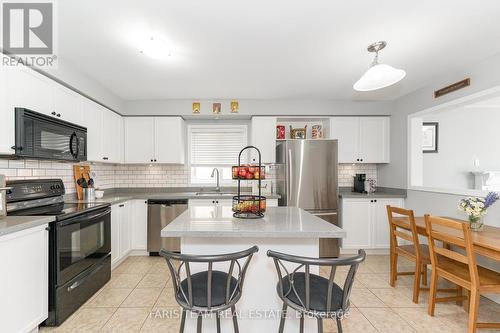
(249, 206)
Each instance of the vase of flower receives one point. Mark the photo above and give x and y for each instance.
(476, 208)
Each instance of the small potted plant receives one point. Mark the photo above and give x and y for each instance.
(476, 208)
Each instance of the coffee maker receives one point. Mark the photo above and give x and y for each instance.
(359, 183)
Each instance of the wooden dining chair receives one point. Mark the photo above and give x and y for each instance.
(458, 268)
(419, 253)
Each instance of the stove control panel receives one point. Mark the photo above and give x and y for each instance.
(22, 190)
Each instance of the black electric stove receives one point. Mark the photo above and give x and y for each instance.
(79, 242)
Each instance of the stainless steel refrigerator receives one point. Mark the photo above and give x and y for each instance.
(307, 178)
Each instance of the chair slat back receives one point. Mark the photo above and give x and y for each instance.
(403, 228)
(456, 233)
(183, 260)
(305, 263)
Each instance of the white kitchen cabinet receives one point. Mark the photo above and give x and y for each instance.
(24, 279)
(374, 145)
(346, 131)
(125, 229)
(356, 222)
(361, 139)
(67, 104)
(139, 141)
(112, 136)
(264, 137)
(365, 222)
(115, 234)
(7, 139)
(92, 119)
(31, 90)
(139, 222)
(169, 138)
(154, 139)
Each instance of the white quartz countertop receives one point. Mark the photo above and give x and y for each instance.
(10, 224)
(278, 222)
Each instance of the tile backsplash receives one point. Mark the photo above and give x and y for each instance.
(108, 176)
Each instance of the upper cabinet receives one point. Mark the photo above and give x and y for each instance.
(154, 139)
(362, 139)
(139, 141)
(92, 119)
(112, 137)
(7, 139)
(169, 136)
(67, 104)
(31, 90)
(264, 138)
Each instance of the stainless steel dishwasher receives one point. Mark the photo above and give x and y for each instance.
(160, 214)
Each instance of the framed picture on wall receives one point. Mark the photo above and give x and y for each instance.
(430, 134)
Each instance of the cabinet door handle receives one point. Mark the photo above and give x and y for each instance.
(155, 159)
(105, 158)
(122, 205)
(151, 160)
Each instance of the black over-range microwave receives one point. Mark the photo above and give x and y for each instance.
(43, 137)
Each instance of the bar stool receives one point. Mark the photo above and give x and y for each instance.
(210, 291)
(312, 294)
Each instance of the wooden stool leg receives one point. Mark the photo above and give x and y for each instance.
(301, 323)
(394, 268)
(432, 292)
(424, 274)
(473, 310)
(460, 292)
(416, 282)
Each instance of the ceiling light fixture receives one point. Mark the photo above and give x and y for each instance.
(156, 48)
(378, 76)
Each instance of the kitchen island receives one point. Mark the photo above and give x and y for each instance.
(213, 230)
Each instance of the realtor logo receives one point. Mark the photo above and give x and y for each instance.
(28, 33)
(28, 28)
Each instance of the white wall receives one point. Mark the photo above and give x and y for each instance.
(260, 107)
(483, 76)
(465, 135)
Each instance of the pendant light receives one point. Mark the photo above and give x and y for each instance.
(378, 76)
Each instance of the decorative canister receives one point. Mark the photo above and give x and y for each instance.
(317, 132)
(280, 132)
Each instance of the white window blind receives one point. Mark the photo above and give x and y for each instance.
(216, 145)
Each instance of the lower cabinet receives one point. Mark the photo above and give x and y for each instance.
(139, 222)
(24, 279)
(121, 232)
(365, 222)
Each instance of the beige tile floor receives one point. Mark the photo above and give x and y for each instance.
(140, 292)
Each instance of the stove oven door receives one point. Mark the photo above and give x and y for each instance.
(81, 241)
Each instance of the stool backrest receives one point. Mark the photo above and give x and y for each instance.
(454, 233)
(402, 226)
(306, 262)
(236, 270)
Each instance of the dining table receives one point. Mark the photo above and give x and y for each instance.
(486, 241)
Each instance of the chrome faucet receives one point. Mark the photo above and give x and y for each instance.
(217, 189)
